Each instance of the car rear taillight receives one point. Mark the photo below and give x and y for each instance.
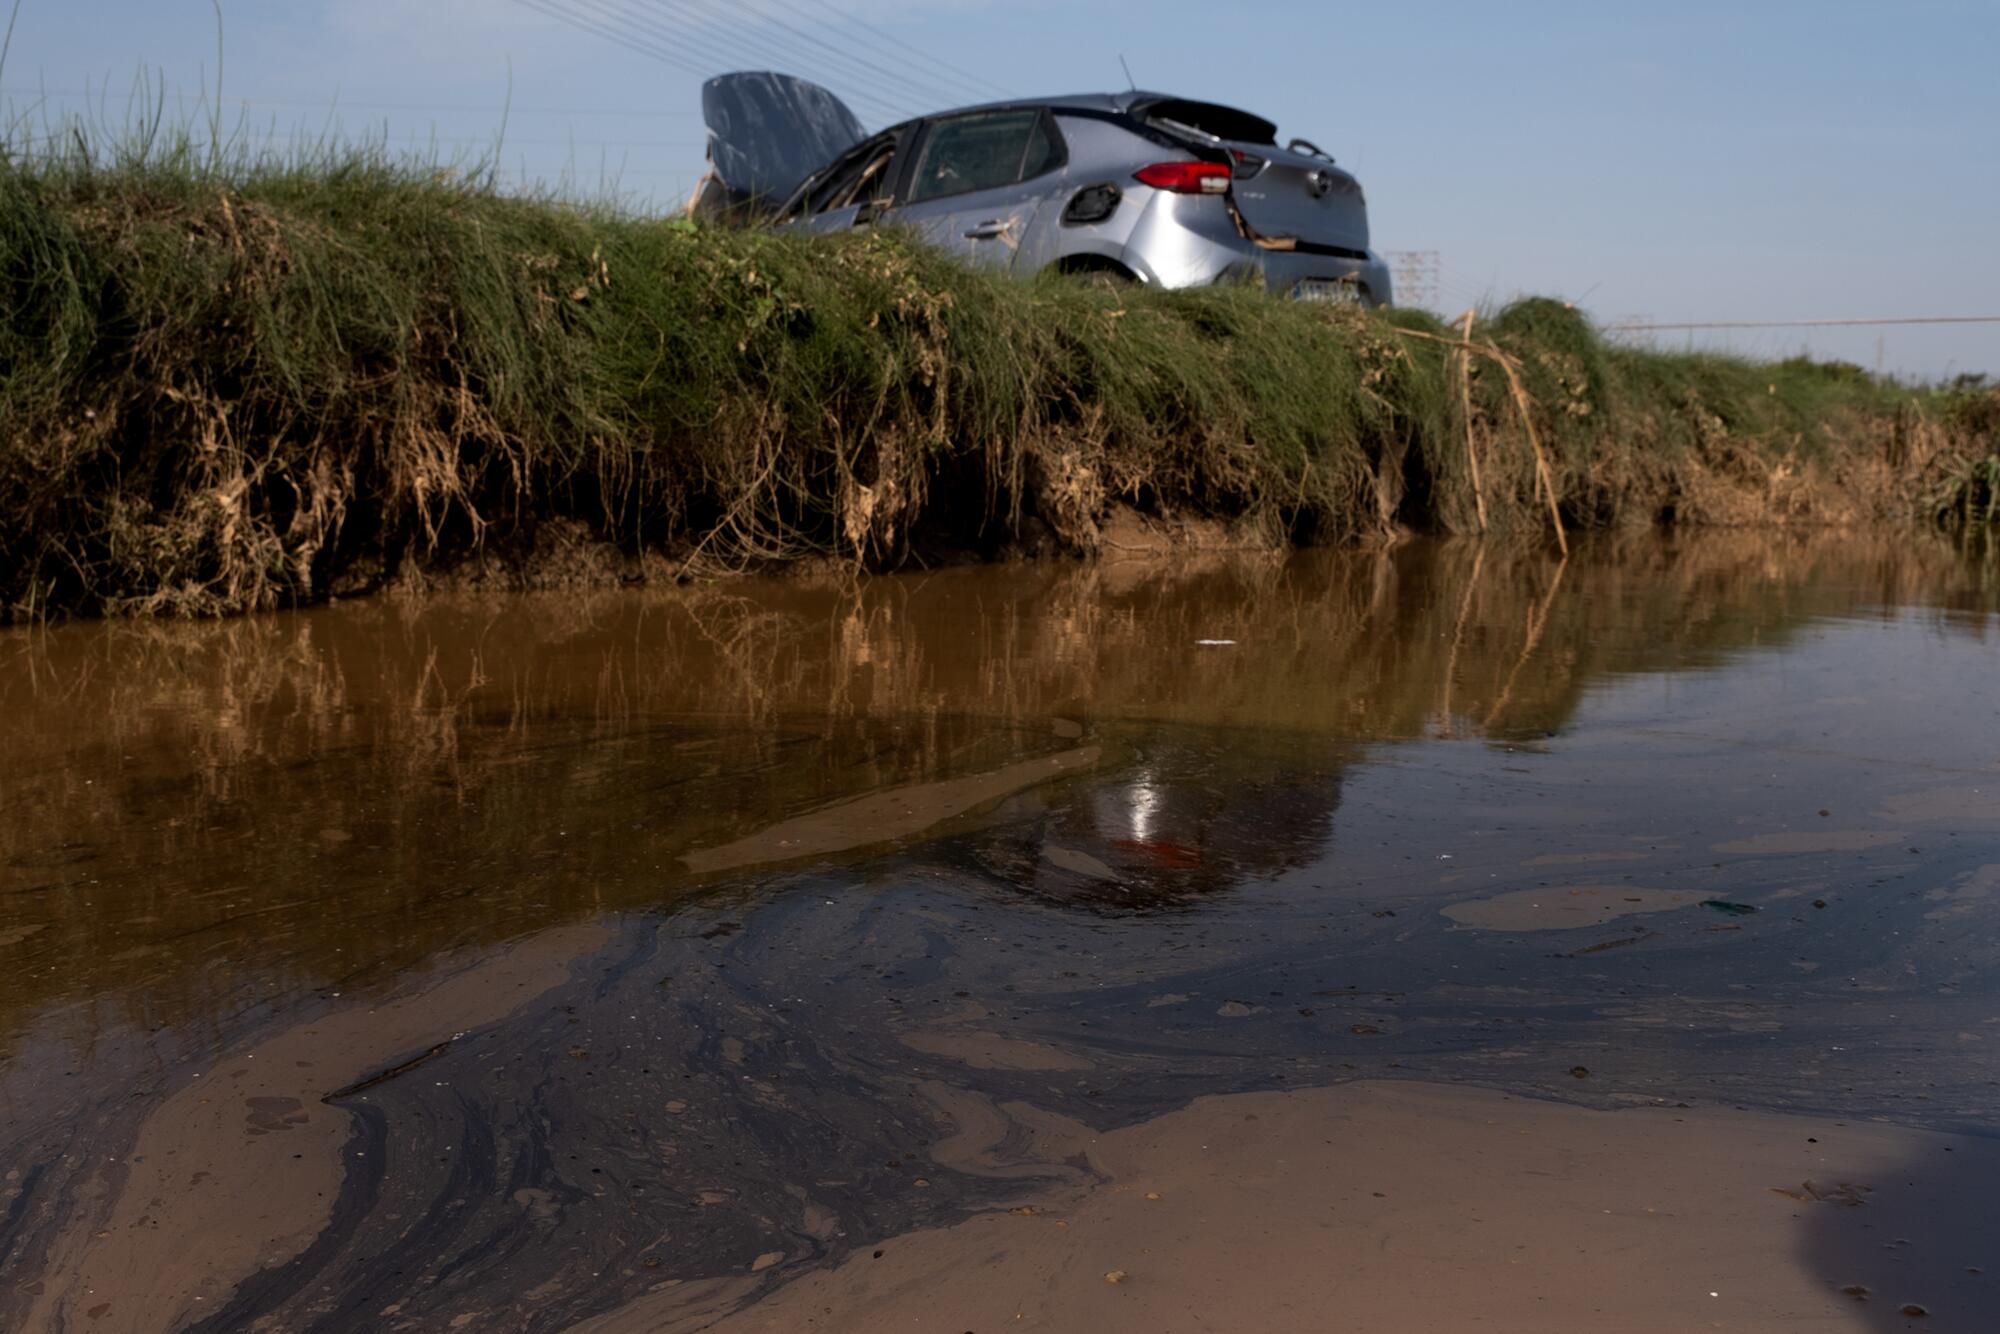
(1186, 178)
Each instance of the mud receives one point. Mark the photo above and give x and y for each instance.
(239, 1170)
(1565, 909)
(1846, 840)
(1953, 805)
(1418, 1207)
(884, 817)
(663, 957)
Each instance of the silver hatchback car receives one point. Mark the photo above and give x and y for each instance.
(1136, 186)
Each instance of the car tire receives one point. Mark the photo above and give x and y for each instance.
(1103, 275)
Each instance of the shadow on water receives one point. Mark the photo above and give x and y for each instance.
(224, 834)
(1911, 1244)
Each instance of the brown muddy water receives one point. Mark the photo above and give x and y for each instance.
(1442, 938)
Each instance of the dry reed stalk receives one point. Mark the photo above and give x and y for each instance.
(1465, 410)
(1543, 475)
(1534, 442)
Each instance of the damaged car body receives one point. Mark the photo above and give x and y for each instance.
(1120, 187)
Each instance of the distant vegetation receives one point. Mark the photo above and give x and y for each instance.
(240, 384)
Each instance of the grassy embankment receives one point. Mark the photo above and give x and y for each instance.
(233, 388)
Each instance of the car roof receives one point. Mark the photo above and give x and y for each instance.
(1133, 101)
(1101, 102)
(1079, 101)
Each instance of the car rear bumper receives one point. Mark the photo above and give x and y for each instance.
(1192, 241)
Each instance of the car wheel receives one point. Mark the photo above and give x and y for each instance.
(1106, 276)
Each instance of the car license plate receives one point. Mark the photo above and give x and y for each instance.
(1327, 291)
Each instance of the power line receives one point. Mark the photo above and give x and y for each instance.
(515, 141)
(859, 66)
(641, 42)
(341, 104)
(1805, 324)
(413, 140)
(716, 47)
(894, 40)
(652, 38)
(679, 174)
(805, 50)
(653, 41)
(618, 39)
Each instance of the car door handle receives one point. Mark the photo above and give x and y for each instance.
(987, 230)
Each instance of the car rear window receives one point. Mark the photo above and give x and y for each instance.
(1215, 121)
(977, 152)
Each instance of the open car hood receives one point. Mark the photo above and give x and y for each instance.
(767, 132)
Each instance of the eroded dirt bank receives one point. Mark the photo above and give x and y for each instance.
(236, 391)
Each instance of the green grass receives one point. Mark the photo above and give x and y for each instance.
(230, 382)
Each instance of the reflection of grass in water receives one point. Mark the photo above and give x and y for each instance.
(232, 379)
(1971, 492)
(325, 797)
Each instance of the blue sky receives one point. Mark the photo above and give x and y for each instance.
(1762, 159)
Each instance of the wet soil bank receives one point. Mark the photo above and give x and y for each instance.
(1380, 1205)
(652, 960)
(234, 392)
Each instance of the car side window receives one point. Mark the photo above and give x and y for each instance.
(976, 152)
(871, 183)
(1045, 150)
(864, 178)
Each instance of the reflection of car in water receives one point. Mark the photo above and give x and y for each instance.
(1181, 825)
(1132, 186)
